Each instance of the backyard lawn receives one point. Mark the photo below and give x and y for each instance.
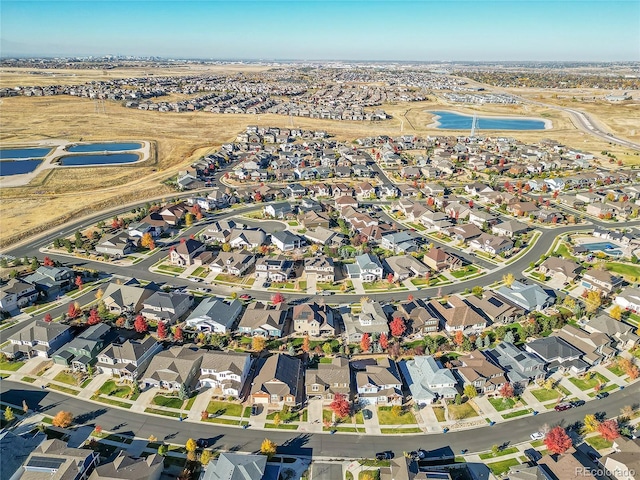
(112, 389)
(386, 417)
(584, 384)
(224, 408)
(171, 402)
(544, 395)
(459, 412)
(624, 269)
(598, 443)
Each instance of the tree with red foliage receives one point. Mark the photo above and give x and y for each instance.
(79, 282)
(98, 429)
(94, 318)
(161, 331)
(277, 298)
(47, 262)
(365, 342)
(257, 197)
(458, 338)
(398, 327)
(47, 318)
(140, 324)
(115, 223)
(508, 187)
(390, 278)
(178, 335)
(555, 194)
(73, 311)
(384, 341)
(197, 211)
(410, 298)
(470, 203)
(557, 440)
(609, 430)
(507, 391)
(340, 406)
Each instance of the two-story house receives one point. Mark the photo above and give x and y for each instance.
(214, 315)
(51, 281)
(278, 381)
(166, 306)
(428, 380)
(16, 294)
(329, 379)
(38, 339)
(521, 367)
(315, 320)
(263, 319)
(232, 263)
(322, 267)
(274, 269)
(557, 354)
(224, 372)
(528, 297)
(248, 238)
(286, 241)
(457, 314)
(596, 347)
(174, 367)
(129, 358)
(601, 281)
(127, 297)
(366, 268)
(185, 252)
(83, 350)
(372, 319)
(438, 259)
(379, 383)
(475, 369)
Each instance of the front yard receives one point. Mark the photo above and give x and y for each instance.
(10, 366)
(386, 417)
(68, 378)
(587, 384)
(460, 412)
(465, 271)
(382, 285)
(112, 389)
(231, 409)
(501, 404)
(167, 401)
(165, 267)
(544, 395)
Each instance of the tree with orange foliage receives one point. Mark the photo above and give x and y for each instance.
(397, 327)
(62, 419)
(94, 318)
(390, 278)
(507, 391)
(306, 344)
(458, 338)
(140, 324)
(79, 282)
(410, 298)
(147, 241)
(197, 211)
(609, 430)
(365, 342)
(178, 334)
(340, 405)
(384, 341)
(557, 440)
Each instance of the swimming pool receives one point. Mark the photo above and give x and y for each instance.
(607, 248)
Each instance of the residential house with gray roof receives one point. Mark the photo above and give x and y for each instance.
(529, 297)
(322, 267)
(127, 359)
(174, 367)
(622, 334)
(557, 354)
(420, 320)
(274, 269)
(495, 308)
(51, 281)
(324, 236)
(54, 460)
(491, 244)
(16, 294)
(185, 253)
(315, 320)
(510, 228)
(372, 319)
(405, 266)
(278, 381)
(125, 467)
(399, 242)
(428, 380)
(38, 339)
(521, 367)
(379, 383)
(561, 268)
(601, 281)
(83, 350)
(329, 379)
(166, 306)
(236, 466)
(286, 241)
(476, 369)
(248, 238)
(367, 268)
(232, 263)
(126, 298)
(596, 347)
(118, 245)
(224, 372)
(15, 448)
(264, 320)
(457, 314)
(214, 315)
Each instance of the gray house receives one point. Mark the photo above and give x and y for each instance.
(521, 367)
(39, 339)
(367, 268)
(166, 306)
(236, 466)
(428, 380)
(558, 354)
(51, 280)
(528, 297)
(214, 315)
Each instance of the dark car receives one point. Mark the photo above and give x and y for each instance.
(254, 409)
(602, 395)
(388, 455)
(202, 443)
(532, 454)
(366, 414)
(578, 403)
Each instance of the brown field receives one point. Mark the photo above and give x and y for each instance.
(179, 138)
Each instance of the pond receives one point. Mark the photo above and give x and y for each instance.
(18, 167)
(23, 153)
(103, 147)
(77, 160)
(457, 121)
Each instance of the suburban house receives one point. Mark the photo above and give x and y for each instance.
(127, 297)
(129, 358)
(263, 319)
(185, 252)
(510, 228)
(214, 315)
(278, 381)
(405, 266)
(372, 319)
(83, 351)
(601, 281)
(286, 241)
(313, 219)
(124, 467)
(521, 367)
(173, 368)
(420, 320)
(232, 263)
(51, 281)
(428, 380)
(366, 268)
(622, 334)
(561, 268)
(596, 347)
(248, 238)
(218, 231)
(322, 267)
(38, 339)
(491, 244)
(629, 299)
(16, 294)
(475, 369)
(328, 379)
(481, 218)
(624, 460)
(315, 320)
(399, 242)
(15, 449)
(457, 314)
(324, 236)
(557, 354)
(166, 306)
(280, 210)
(224, 372)
(236, 466)
(274, 269)
(53, 459)
(379, 383)
(173, 214)
(464, 233)
(528, 297)
(118, 245)
(496, 308)
(438, 259)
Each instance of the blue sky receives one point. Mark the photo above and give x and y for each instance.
(600, 30)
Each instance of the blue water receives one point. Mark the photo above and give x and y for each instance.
(17, 167)
(23, 152)
(104, 147)
(455, 121)
(99, 159)
(605, 247)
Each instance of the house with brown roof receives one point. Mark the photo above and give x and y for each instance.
(476, 369)
(522, 209)
(601, 281)
(322, 267)
(438, 259)
(624, 460)
(173, 368)
(185, 252)
(315, 320)
(596, 347)
(561, 268)
(496, 308)
(458, 314)
(419, 319)
(278, 381)
(263, 319)
(380, 383)
(329, 379)
(173, 214)
(464, 233)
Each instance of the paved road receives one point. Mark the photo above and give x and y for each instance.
(338, 445)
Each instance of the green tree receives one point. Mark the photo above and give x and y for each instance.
(470, 391)
(162, 450)
(326, 348)
(8, 414)
(183, 393)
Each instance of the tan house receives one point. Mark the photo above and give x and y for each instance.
(437, 259)
(315, 320)
(278, 381)
(329, 379)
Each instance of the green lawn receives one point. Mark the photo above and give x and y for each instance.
(28, 379)
(387, 431)
(616, 370)
(439, 412)
(544, 395)
(225, 408)
(170, 402)
(385, 417)
(517, 413)
(501, 404)
(190, 402)
(504, 451)
(110, 401)
(498, 468)
(563, 250)
(223, 421)
(162, 412)
(200, 272)
(60, 388)
(460, 412)
(627, 270)
(584, 384)
(464, 271)
(537, 443)
(598, 443)
(563, 390)
(282, 426)
(171, 269)
(10, 366)
(609, 388)
(112, 389)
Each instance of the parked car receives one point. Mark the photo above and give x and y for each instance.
(255, 409)
(244, 296)
(562, 407)
(366, 414)
(537, 436)
(418, 454)
(602, 395)
(578, 403)
(532, 454)
(202, 443)
(388, 455)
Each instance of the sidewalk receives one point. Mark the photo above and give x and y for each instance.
(94, 385)
(199, 405)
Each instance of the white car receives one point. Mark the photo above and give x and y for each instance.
(537, 436)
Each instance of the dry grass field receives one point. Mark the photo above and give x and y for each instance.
(179, 138)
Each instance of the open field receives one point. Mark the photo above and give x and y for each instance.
(56, 196)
